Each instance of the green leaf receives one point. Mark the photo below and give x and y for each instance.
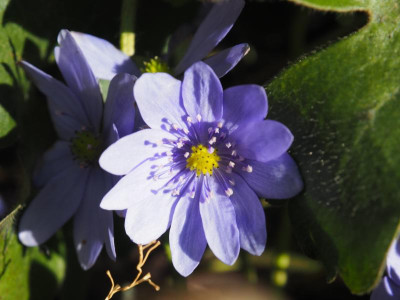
(343, 106)
(334, 5)
(7, 123)
(27, 273)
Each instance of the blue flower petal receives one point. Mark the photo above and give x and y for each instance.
(103, 58)
(119, 108)
(386, 290)
(131, 150)
(66, 110)
(226, 60)
(79, 77)
(250, 217)
(202, 93)
(212, 30)
(91, 223)
(147, 219)
(219, 223)
(53, 206)
(186, 236)
(393, 262)
(263, 141)
(275, 179)
(244, 104)
(137, 185)
(54, 161)
(158, 98)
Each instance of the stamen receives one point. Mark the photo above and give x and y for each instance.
(229, 192)
(175, 126)
(186, 131)
(217, 130)
(213, 140)
(186, 155)
(189, 119)
(198, 117)
(228, 145)
(220, 124)
(231, 164)
(248, 169)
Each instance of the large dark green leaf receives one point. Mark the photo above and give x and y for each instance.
(343, 105)
(27, 273)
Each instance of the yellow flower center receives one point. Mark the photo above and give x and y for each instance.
(155, 65)
(202, 161)
(86, 147)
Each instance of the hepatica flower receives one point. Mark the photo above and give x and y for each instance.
(200, 166)
(106, 60)
(72, 181)
(389, 288)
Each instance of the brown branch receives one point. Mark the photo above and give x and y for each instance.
(115, 288)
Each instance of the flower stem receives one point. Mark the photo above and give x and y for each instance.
(127, 27)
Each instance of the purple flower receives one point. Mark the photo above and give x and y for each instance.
(72, 181)
(389, 288)
(106, 61)
(200, 167)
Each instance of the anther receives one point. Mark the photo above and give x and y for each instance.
(186, 155)
(232, 182)
(175, 192)
(198, 117)
(231, 164)
(210, 150)
(175, 126)
(185, 130)
(217, 130)
(189, 119)
(249, 169)
(179, 144)
(234, 153)
(229, 192)
(228, 145)
(219, 124)
(213, 140)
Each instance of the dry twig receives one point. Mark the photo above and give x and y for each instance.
(115, 288)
